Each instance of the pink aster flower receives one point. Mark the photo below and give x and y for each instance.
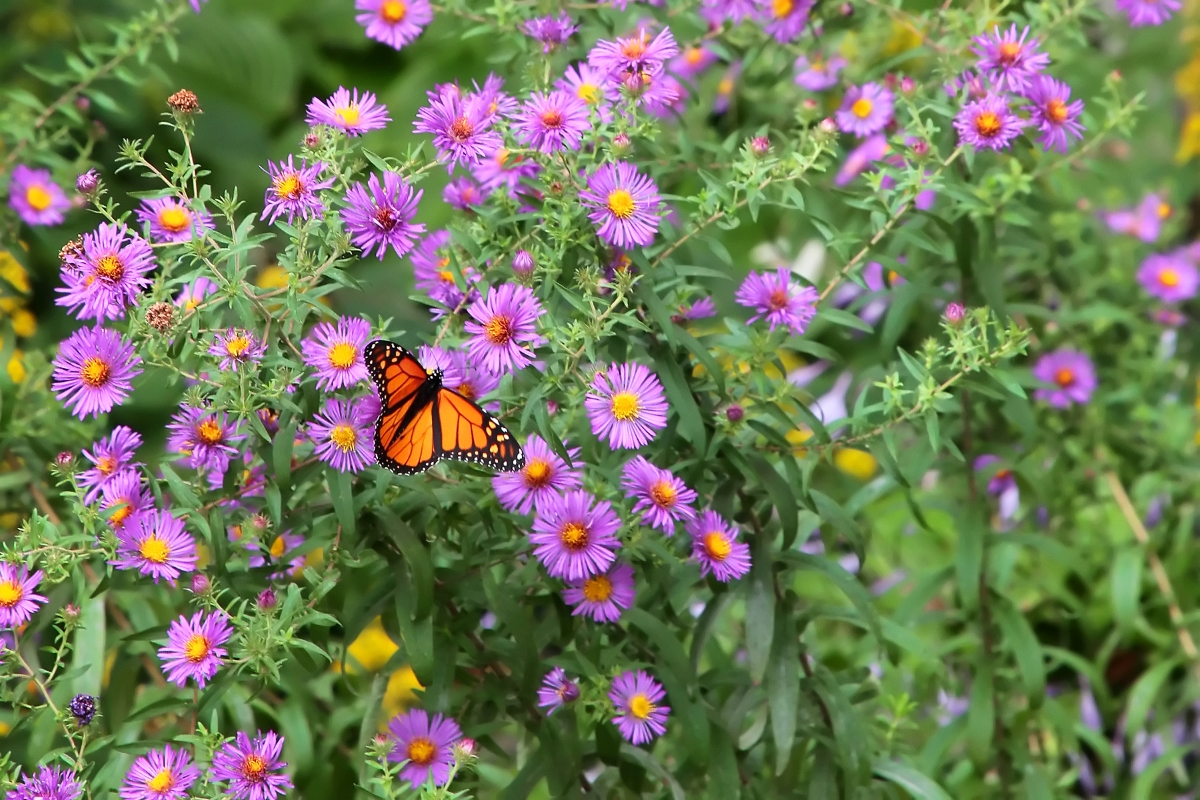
(293, 191)
(193, 294)
(626, 405)
(988, 124)
(497, 104)
(1144, 221)
(109, 276)
(623, 204)
(18, 601)
(165, 774)
(461, 128)
(93, 371)
(661, 95)
(785, 19)
(236, 348)
(865, 110)
(1169, 277)
(1148, 12)
(50, 783)
(574, 535)
(556, 691)
(464, 194)
(592, 86)
(861, 158)
(203, 439)
(641, 716)
(36, 198)
(1073, 373)
(662, 498)
(636, 53)
(544, 475)
(692, 61)
(426, 743)
(552, 122)
(778, 299)
(342, 435)
(350, 113)
(1008, 60)
(125, 498)
(716, 547)
(1053, 112)
(552, 32)
(109, 457)
(194, 648)
(819, 74)
(602, 597)
(171, 220)
(504, 169)
(335, 352)
(252, 768)
(378, 216)
(503, 328)
(394, 22)
(157, 546)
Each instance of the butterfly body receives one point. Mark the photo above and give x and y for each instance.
(422, 422)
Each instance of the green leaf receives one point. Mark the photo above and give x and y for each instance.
(691, 423)
(1141, 696)
(653, 765)
(89, 647)
(781, 496)
(342, 493)
(520, 624)
(419, 563)
(662, 640)
(760, 616)
(833, 513)
(968, 560)
(981, 716)
(1126, 586)
(183, 493)
(855, 592)
(917, 784)
(1144, 785)
(783, 688)
(527, 779)
(1026, 648)
(844, 318)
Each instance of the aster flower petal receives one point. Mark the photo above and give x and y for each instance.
(626, 405)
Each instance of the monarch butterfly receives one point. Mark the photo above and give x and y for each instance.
(422, 421)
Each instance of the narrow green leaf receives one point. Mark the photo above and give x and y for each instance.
(691, 423)
(1143, 787)
(1127, 585)
(910, 779)
(342, 493)
(760, 617)
(1019, 635)
(981, 716)
(783, 688)
(968, 560)
(1141, 696)
(781, 496)
(662, 640)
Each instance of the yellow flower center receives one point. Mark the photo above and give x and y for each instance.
(725, 86)
(640, 706)
(344, 437)
(154, 549)
(421, 751)
(624, 406)
(781, 8)
(289, 186)
(1168, 277)
(176, 219)
(987, 124)
(466, 390)
(196, 648)
(693, 55)
(278, 547)
(1164, 210)
(1056, 111)
(663, 494)
(209, 432)
(110, 268)
(164, 781)
(254, 768)
(11, 593)
(573, 536)
(862, 108)
(461, 129)
(717, 546)
(237, 347)
(348, 115)
(588, 93)
(38, 198)
(94, 372)
(106, 465)
(393, 12)
(117, 520)
(620, 203)
(343, 355)
(537, 472)
(498, 330)
(597, 589)
(1064, 377)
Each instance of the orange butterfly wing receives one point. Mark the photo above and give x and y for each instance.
(468, 433)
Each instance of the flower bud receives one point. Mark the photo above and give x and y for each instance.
(920, 148)
(620, 144)
(760, 146)
(464, 750)
(65, 459)
(266, 599)
(71, 612)
(808, 104)
(312, 140)
(955, 314)
(87, 183)
(907, 85)
(827, 127)
(160, 316)
(522, 263)
(184, 102)
(82, 708)
(846, 10)
(735, 413)
(82, 103)
(71, 252)
(200, 583)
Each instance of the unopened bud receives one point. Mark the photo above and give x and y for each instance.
(735, 413)
(82, 103)
(71, 612)
(522, 263)
(464, 750)
(955, 313)
(83, 709)
(620, 144)
(907, 85)
(87, 183)
(200, 583)
(266, 599)
(760, 146)
(65, 459)
(846, 10)
(312, 140)
(827, 126)
(920, 148)
(184, 102)
(160, 316)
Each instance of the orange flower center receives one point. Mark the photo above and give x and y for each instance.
(862, 108)
(95, 372)
(663, 494)
(106, 465)
(344, 437)
(278, 547)
(1168, 277)
(1056, 111)
(588, 93)
(987, 124)
(110, 268)
(537, 472)
(393, 12)
(717, 546)
(1064, 377)
(196, 648)
(620, 203)
(421, 751)
(552, 119)
(573, 536)
(176, 219)
(254, 768)
(237, 347)
(498, 330)
(640, 706)
(461, 129)
(118, 517)
(289, 186)
(1164, 210)
(634, 48)
(597, 589)
(778, 299)
(209, 432)
(343, 355)
(781, 8)
(161, 783)
(38, 198)
(1009, 53)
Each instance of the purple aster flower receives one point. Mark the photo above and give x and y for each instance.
(726, 87)
(18, 601)
(195, 4)
(988, 124)
(461, 129)
(335, 352)
(1147, 12)
(861, 158)
(623, 204)
(819, 74)
(1072, 371)
(1144, 222)
(784, 19)
(194, 648)
(203, 439)
(602, 597)
(641, 716)
(717, 11)
(544, 475)
(426, 743)
(1002, 485)
(592, 86)
(157, 545)
(778, 299)
(636, 53)
(662, 498)
(431, 262)
(394, 22)
(496, 103)
(194, 293)
(701, 309)
(171, 220)
(459, 372)
(36, 198)
(252, 768)
(293, 191)
(503, 168)
(692, 61)
(1169, 277)
(127, 498)
(556, 691)
(50, 783)
(550, 31)
(1054, 113)
(109, 458)
(165, 774)
(552, 122)
(377, 216)
(626, 405)
(503, 328)
(574, 535)
(464, 194)
(93, 371)
(350, 113)
(237, 347)
(865, 110)
(1008, 60)
(716, 547)
(661, 95)
(342, 435)
(109, 276)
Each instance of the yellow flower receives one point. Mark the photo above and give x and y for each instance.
(373, 647)
(856, 463)
(1187, 81)
(797, 437)
(13, 273)
(5, 728)
(272, 276)
(24, 323)
(400, 693)
(1189, 138)
(16, 367)
(905, 37)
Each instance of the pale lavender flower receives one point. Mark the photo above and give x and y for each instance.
(861, 158)
(504, 168)
(1002, 485)
(818, 74)
(165, 774)
(1008, 60)
(556, 691)
(574, 535)
(49, 783)
(1148, 12)
(1144, 221)
(293, 191)
(158, 546)
(204, 439)
(463, 193)
(552, 122)
(1053, 112)
(635, 53)
(544, 475)
(426, 744)
(623, 204)
(461, 128)
(236, 347)
(172, 220)
(18, 601)
(341, 434)
(626, 405)
(716, 548)
(109, 457)
(988, 124)
(194, 648)
(550, 31)
(335, 352)
(592, 86)
(785, 19)
(1072, 371)
(865, 110)
(662, 498)
(109, 276)
(503, 328)
(693, 61)
(1169, 277)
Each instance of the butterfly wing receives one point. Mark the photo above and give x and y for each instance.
(404, 441)
(465, 432)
